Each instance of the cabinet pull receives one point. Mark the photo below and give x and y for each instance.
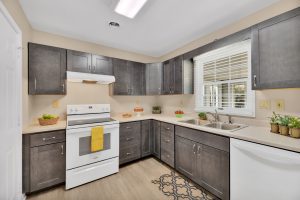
(62, 149)
(34, 84)
(254, 79)
(63, 87)
(128, 139)
(198, 151)
(167, 141)
(167, 128)
(128, 127)
(194, 151)
(89, 68)
(128, 154)
(94, 68)
(51, 138)
(168, 156)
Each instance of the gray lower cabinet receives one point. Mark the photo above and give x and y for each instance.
(130, 142)
(146, 138)
(44, 160)
(46, 70)
(130, 77)
(156, 139)
(204, 158)
(167, 143)
(275, 52)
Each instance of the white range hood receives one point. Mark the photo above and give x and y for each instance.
(90, 78)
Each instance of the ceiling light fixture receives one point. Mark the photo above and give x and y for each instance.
(129, 8)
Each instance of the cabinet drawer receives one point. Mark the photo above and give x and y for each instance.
(130, 128)
(129, 140)
(47, 138)
(209, 139)
(130, 153)
(167, 143)
(167, 157)
(167, 129)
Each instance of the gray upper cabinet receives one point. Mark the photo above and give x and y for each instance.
(102, 65)
(46, 70)
(275, 52)
(178, 76)
(154, 78)
(79, 61)
(146, 141)
(130, 77)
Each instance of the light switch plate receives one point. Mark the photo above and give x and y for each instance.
(55, 104)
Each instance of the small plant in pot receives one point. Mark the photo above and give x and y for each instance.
(202, 116)
(295, 127)
(274, 123)
(284, 122)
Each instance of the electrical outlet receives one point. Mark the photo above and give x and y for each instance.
(55, 104)
(279, 104)
(265, 104)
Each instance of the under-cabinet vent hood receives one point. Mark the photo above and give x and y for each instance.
(90, 78)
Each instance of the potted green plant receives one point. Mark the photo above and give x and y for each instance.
(156, 110)
(202, 116)
(284, 122)
(274, 123)
(295, 127)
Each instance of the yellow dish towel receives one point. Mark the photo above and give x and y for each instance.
(97, 139)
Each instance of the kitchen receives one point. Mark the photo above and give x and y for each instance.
(229, 153)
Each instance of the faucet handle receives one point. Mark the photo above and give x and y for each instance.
(229, 119)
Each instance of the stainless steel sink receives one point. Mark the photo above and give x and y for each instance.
(225, 126)
(195, 122)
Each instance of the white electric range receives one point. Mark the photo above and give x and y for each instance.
(82, 165)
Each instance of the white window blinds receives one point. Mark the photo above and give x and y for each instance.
(222, 80)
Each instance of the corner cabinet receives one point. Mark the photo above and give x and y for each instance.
(44, 160)
(275, 52)
(46, 70)
(130, 77)
(154, 78)
(178, 76)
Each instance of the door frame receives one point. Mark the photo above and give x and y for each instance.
(15, 27)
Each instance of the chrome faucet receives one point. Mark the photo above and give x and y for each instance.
(215, 115)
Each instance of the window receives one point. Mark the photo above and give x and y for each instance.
(223, 80)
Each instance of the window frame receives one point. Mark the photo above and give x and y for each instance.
(213, 55)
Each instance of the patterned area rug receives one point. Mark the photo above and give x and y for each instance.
(176, 187)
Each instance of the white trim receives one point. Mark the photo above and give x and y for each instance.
(11, 21)
(199, 83)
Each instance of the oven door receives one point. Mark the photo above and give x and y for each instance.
(78, 146)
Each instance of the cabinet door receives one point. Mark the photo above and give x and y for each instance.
(167, 79)
(47, 166)
(122, 84)
(212, 170)
(185, 156)
(102, 65)
(146, 138)
(47, 70)
(275, 52)
(156, 139)
(79, 61)
(154, 79)
(137, 78)
(178, 73)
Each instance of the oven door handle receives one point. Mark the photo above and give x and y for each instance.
(107, 129)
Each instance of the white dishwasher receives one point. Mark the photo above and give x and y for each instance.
(263, 173)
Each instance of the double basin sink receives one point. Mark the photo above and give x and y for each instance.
(215, 125)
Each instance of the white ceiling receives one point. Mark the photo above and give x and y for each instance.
(160, 27)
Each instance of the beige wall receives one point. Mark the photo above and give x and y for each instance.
(33, 106)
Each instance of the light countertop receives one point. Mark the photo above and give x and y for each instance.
(255, 134)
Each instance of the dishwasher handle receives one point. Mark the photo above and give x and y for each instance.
(267, 153)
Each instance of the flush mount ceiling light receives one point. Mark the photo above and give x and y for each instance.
(129, 8)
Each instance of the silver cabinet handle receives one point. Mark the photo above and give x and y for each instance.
(168, 156)
(198, 151)
(94, 68)
(128, 154)
(51, 138)
(34, 84)
(62, 149)
(254, 79)
(167, 129)
(167, 141)
(194, 151)
(63, 87)
(128, 139)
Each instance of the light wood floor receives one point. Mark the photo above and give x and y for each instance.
(132, 182)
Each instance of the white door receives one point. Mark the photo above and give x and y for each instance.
(10, 108)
